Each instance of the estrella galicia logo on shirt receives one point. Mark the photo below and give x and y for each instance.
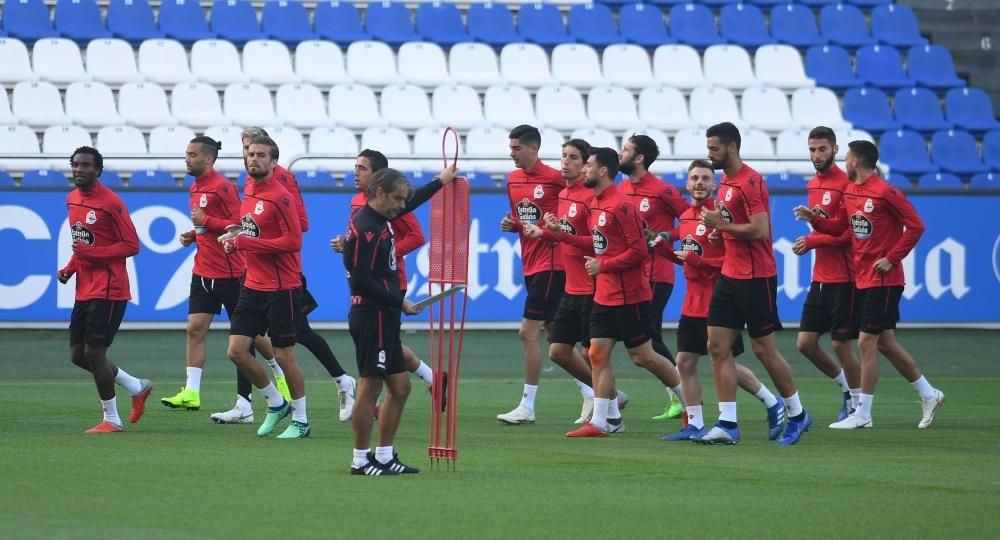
(81, 234)
(819, 211)
(527, 212)
(600, 241)
(690, 244)
(644, 205)
(259, 209)
(91, 217)
(566, 227)
(869, 206)
(539, 192)
(250, 227)
(861, 226)
(727, 216)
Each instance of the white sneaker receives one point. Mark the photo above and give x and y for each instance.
(519, 415)
(586, 412)
(622, 400)
(616, 425)
(236, 415)
(347, 401)
(853, 421)
(930, 407)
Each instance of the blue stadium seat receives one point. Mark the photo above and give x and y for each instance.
(694, 24)
(785, 180)
(287, 21)
(241, 180)
(869, 3)
(390, 22)
(955, 151)
(492, 24)
(868, 109)
(671, 2)
(931, 66)
(6, 180)
(795, 25)
(44, 178)
(991, 150)
(236, 21)
(315, 179)
(646, 25)
(970, 109)
(151, 178)
(940, 180)
(133, 21)
(677, 179)
(985, 181)
(441, 23)
(339, 22)
(896, 25)
(744, 24)
(542, 24)
(845, 25)
(27, 20)
(184, 21)
(919, 109)
(80, 20)
(617, 3)
(831, 66)
(897, 179)
(881, 66)
(819, 2)
(111, 179)
(905, 152)
(479, 180)
(594, 24)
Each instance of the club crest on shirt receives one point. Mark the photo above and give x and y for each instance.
(644, 205)
(250, 227)
(259, 208)
(700, 229)
(203, 201)
(81, 234)
(539, 192)
(528, 212)
(869, 206)
(600, 241)
(566, 227)
(729, 194)
(690, 244)
(861, 226)
(91, 217)
(572, 210)
(602, 220)
(727, 216)
(827, 198)
(819, 210)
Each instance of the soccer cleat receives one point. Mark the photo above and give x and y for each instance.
(616, 425)
(139, 401)
(519, 415)
(622, 400)
(586, 412)
(720, 434)
(372, 468)
(930, 407)
(185, 399)
(853, 421)
(776, 420)
(295, 430)
(105, 427)
(588, 430)
(687, 434)
(236, 415)
(845, 409)
(676, 409)
(399, 467)
(347, 401)
(274, 415)
(665, 415)
(795, 429)
(282, 385)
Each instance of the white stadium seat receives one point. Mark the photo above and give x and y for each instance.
(525, 64)
(196, 105)
(144, 104)
(627, 65)
(20, 140)
(612, 107)
(58, 61)
(781, 66)
(509, 106)
(712, 105)
(474, 64)
(664, 107)
(301, 105)
(457, 106)
(216, 62)
(596, 137)
(690, 144)
(793, 143)
(423, 64)
(320, 63)
(405, 106)
(659, 137)
(290, 142)
(678, 66)
(756, 144)
(766, 108)
(333, 140)
(552, 141)
(164, 61)
(427, 142)
(267, 61)
(561, 107)
(392, 142)
(122, 141)
(249, 104)
(63, 140)
(231, 154)
(112, 61)
(372, 63)
(14, 63)
(92, 104)
(848, 135)
(817, 107)
(488, 142)
(37, 103)
(577, 65)
(729, 66)
(6, 116)
(354, 106)
(167, 140)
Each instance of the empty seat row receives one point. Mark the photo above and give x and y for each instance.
(919, 109)
(951, 151)
(882, 66)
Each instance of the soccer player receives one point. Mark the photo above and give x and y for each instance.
(702, 261)
(884, 227)
(832, 303)
(271, 297)
(621, 294)
(533, 190)
(745, 293)
(103, 237)
(374, 319)
(660, 205)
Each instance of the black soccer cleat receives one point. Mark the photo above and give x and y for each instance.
(398, 467)
(374, 468)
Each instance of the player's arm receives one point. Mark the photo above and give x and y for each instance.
(67, 271)
(229, 204)
(426, 191)
(815, 239)
(836, 226)
(126, 246)
(290, 239)
(360, 274)
(677, 204)
(408, 234)
(900, 206)
(697, 261)
(635, 241)
(757, 229)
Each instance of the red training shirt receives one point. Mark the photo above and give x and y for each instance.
(406, 232)
(288, 181)
(620, 247)
(833, 253)
(704, 259)
(272, 237)
(219, 199)
(574, 220)
(659, 204)
(532, 193)
(740, 197)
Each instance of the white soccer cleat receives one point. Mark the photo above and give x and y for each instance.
(520, 415)
(236, 415)
(853, 421)
(616, 425)
(347, 401)
(930, 407)
(586, 412)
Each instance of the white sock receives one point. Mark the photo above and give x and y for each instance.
(275, 368)
(727, 411)
(528, 398)
(243, 403)
(425, 373)
(360, 457)
(793, 405)
(343, 382)
(670, 392)
(923, 388)
(855, 396)
(586, 391)
(766, 396)
(841, 380)
(383, 454)
(129, 383)
(695, 417)
(677, 391)
(614, 412)
(111, 411)
(600, 418)
(299, 410)
(272, 395)
(194, 379)
(865, 406)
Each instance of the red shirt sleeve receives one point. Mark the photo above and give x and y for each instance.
(635, 239)
(410, 236)
(914, 225)
(127, 245)
(753, 199)
(289, 240)
(230, 201)
(816, 239)
(697, 261)
(835, 226)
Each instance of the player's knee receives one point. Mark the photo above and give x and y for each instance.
(236, 353)
(717, 349)
(195, 333)
(807, 345)
(77, 357)
(841, 347)
(93, 356)
(760, 350)
(686, 364)
(598, 356)
(528, 335)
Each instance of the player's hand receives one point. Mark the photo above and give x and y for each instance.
(883, 265)
(714, 238)
(682, 255)
(337, 244)
(187, 238)
(803, 213)
(448, 174)
(593, 265)
(657, 240)
(64, 275)
(410, 308)
(230, 244)
(799, 247)
(197, 216)
(552, 223)
(507, 223)
(711, 218)
(82, 250)
(532, 231)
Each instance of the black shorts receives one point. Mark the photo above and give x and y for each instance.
(95, 322)
(572, 322)
(831, 307)
(278, 313)
(544, 291)
(692, 337)
(750, 302)
(376, 339)
(879, 308)
(209, 295)
(661, 295)
(309, 303)
(628, 324)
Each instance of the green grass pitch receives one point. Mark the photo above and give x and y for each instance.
(177, 475)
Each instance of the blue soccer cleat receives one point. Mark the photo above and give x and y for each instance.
(776, 420)
(687, 434)
(845, 410)
(795, 429)
(720, 434)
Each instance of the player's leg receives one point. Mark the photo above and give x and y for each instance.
(661, 295)
(398, 390)
(845, 351)
(321, 350)
(844, 311)
(362, 419)
(930, 397)
(603, 381)
(248, 321)
(570, 327)
(229, 291)
(190, 395)
(774, 406)
(285, 322)
(529, 334)
(873, 320)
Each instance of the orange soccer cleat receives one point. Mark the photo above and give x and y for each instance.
(139, 402)
(588, 430)
(104, 427)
